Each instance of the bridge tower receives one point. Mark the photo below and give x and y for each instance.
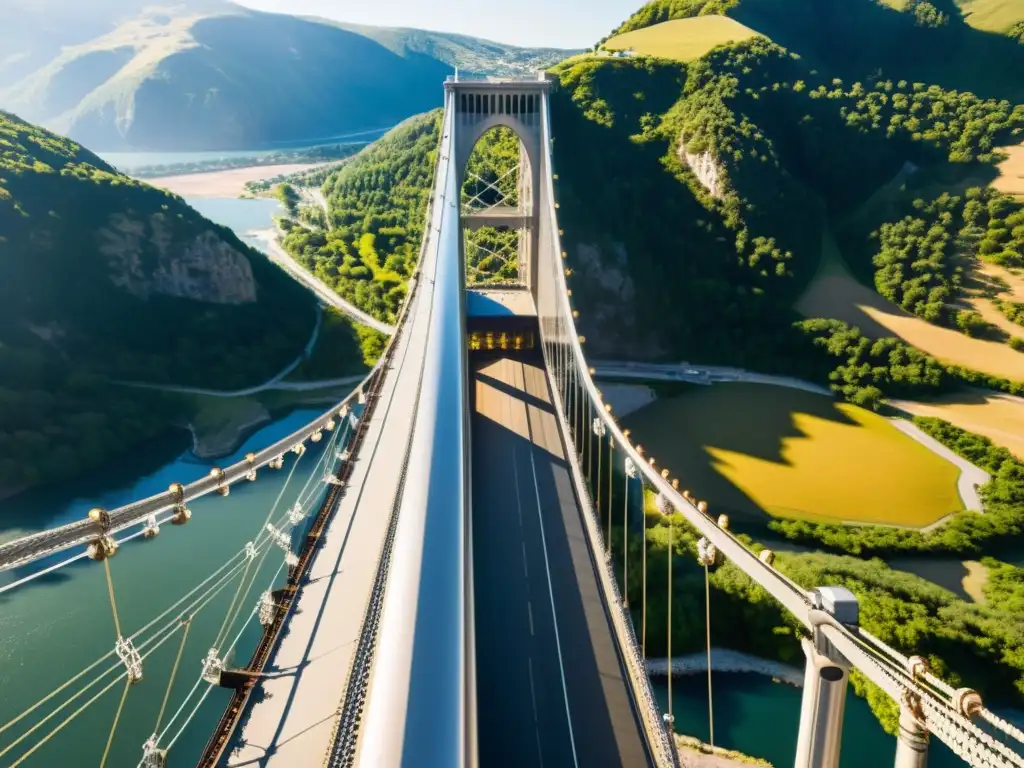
(517, 104)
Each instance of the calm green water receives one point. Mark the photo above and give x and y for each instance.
(761, 718)
(52, 628)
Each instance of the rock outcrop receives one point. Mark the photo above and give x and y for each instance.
(146, 259)
(704, 166)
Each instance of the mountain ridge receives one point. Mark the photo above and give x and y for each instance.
(213, 75)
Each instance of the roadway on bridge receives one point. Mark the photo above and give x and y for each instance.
(291, 720)
(551, 687)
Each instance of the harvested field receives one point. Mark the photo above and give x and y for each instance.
(1011, 172)
(756, 450)
(998, 417)
(835, 293)
(682, 39)
(964, 578)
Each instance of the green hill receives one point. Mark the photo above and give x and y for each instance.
(744, 157)
(970, 45)
(205, 74)
(103, 277)
(377, 204)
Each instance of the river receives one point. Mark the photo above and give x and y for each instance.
(760, 718)
(55, 626)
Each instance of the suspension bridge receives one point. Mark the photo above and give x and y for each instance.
(444, 589)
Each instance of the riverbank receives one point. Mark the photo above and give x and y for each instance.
(227, 183)
(694, 753)
(726, 660)
(220, 425)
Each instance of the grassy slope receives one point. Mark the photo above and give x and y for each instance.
(762, 450)
(1011, 172)
(987, 15)
(681, 39)
(836, 293)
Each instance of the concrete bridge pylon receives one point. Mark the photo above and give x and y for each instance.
(517, 104)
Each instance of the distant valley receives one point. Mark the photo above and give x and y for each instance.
(206, 74)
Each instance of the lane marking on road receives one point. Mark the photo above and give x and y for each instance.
(529, 610)
(519, 503)
(554, 616)
(525, 569)
(536, 716)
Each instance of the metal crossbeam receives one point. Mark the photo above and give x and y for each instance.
(467, 205)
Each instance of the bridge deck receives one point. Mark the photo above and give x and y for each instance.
(291, 719)
(551, 688)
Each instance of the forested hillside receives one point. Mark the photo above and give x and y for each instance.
(935, 41)
(377, 205)
(749, 155)
(103, 277)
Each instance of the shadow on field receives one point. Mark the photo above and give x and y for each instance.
(715, 419)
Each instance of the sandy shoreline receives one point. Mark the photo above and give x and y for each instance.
(229, 183)
(725, 660)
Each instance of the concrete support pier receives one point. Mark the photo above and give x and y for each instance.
(912, 739)
(825, 678)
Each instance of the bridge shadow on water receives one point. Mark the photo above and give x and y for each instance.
(549, 680)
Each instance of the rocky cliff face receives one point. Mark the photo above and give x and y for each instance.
(704, 166)
(608, 298)
(145, 259)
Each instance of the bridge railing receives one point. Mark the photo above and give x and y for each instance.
(969, 729)
(36, 546)
(564, 359)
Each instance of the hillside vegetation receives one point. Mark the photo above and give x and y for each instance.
(743, 158)
(205, 74)
(377, 205)
(103, 277)
(931, 41)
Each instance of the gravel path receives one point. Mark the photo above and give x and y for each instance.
(971, 477)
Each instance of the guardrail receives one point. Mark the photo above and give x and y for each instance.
(556, 328)
(948, 713)
(45, 543)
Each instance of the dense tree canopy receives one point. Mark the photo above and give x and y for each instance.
(73, 234)
(377, 203)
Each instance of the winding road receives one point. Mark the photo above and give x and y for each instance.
(280, 257)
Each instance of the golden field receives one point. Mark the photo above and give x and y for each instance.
(682, 39)
(835, 293)
(755, 449)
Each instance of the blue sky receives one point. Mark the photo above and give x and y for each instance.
(556, 23)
